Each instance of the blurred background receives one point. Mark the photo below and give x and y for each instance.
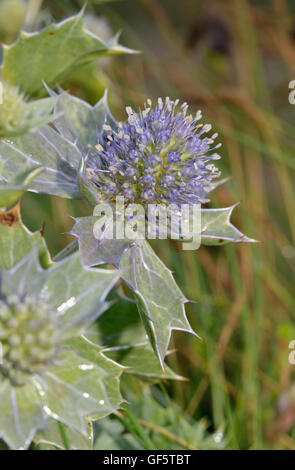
(234, 60)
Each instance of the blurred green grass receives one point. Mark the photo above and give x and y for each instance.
(233, 60)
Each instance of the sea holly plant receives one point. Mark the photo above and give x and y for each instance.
(48, 369)
(160, 154)
(64, 346)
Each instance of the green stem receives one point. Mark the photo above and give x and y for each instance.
(64, 436)
(134, 427)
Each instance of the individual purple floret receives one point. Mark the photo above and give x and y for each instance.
(159, 155)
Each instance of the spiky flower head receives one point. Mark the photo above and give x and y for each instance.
(158, 155)
(18, 115)
(12, 109)
(29, 335)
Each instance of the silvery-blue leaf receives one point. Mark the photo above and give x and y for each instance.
(217, 228)
(59, 158)
(79, 122)
(160, 302)
(100, 250)
(20, 414)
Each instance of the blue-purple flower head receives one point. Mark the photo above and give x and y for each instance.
(159, 155)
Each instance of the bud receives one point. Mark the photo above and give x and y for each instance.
(29, 337)
(12, 110)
